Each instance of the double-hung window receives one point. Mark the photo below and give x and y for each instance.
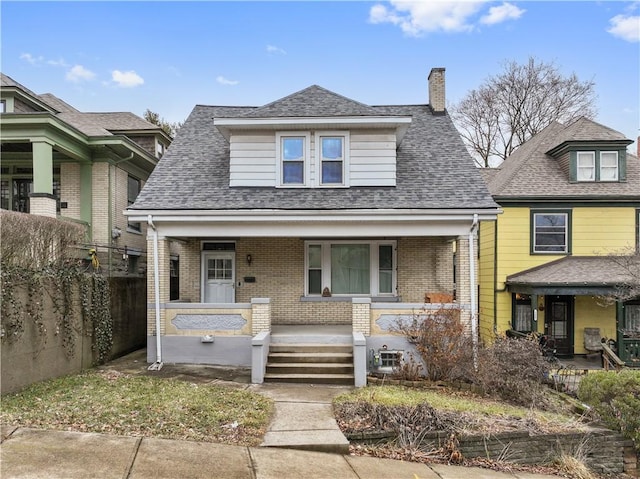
(551, 231)
(608, 166)
(293, 154)
(332, 158)
(348, 268)
(586, 166)
(522, 317)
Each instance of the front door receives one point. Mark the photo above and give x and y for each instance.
(558, 324)
(21, 191)
(218, 273)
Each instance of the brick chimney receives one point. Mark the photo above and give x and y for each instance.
(436, 91)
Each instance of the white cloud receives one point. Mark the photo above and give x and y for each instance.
(417, 17)
(57, 63)
(500, 14)
(626, 27)
(224, 81)
(29, 58)
(273, 50)
(79, 73)
(128, 79)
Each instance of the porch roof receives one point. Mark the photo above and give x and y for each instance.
(577, 275)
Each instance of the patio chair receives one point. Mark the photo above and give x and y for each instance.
(592, 341)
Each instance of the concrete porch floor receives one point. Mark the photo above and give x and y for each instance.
(306, 334)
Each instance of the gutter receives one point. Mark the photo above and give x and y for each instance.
(472, 287)
(157, 366)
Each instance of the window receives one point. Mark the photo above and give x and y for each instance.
(608, 166)
(522, 317)
(332, 160)
(293, 154)
(631, 325)
(586, 166)
(550, 232)
(159, 149)
(300, 166)
(133, 189)
(4, 194)
(348, 268)
(3, 106)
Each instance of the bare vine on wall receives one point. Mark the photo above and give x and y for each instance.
(42, 274)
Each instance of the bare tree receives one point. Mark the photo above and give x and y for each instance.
(514, 105)
(626, 269)
(170, 128)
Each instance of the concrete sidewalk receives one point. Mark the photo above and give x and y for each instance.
(31, 453)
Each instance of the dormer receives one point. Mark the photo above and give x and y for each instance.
(313, 139)
(592, 153)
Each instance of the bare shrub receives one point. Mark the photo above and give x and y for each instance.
(442, 341)
(36, 242)
(515, 370)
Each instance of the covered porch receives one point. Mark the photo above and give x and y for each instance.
(245, 287)
(577, 302)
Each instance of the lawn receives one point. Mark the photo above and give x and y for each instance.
(115, 403)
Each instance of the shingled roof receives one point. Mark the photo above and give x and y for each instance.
(530, 172)
(577, 271)
(313, 101)
(434, 169)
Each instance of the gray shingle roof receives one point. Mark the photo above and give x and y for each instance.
(56, 103)
(434, 169)
(100, 124)
(313, 101)
(531, 172)
(578, 271)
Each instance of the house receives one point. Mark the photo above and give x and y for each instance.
(84, 167)
(571, 199)
(314, 218)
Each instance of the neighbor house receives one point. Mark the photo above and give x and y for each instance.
(551, 263)
(314, 218)
(84, 167)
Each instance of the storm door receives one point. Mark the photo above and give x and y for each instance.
(558, 324)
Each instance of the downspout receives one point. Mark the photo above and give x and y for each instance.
(472, 287)
(156, 283)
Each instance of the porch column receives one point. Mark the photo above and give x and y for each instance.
(260, 315)
(463, 287)
(42, 202)
(163, 283)
(361, 315)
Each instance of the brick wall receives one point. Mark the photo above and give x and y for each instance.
(163, 276)
(424, 265)
(70, 189)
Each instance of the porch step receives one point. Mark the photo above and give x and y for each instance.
(310, 363)
(343, 379)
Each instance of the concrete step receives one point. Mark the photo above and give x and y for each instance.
(311, 357)
(309, 368)
(309, 348)
(345, 379)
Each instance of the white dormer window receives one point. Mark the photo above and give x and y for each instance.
(293, 158)
(608, 166)
(586, 166)
(332, 154)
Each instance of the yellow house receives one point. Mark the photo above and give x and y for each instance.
(571, 201)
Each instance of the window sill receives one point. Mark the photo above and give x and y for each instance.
(349, 299)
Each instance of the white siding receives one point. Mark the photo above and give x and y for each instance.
(253, 159)
(372, 158)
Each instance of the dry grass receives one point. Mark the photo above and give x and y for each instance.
(115, 403)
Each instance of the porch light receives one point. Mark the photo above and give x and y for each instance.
(249, 259)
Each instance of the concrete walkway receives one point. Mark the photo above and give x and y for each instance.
(303, 417)
(31, 454)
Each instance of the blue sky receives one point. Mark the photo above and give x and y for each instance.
(170, 56)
